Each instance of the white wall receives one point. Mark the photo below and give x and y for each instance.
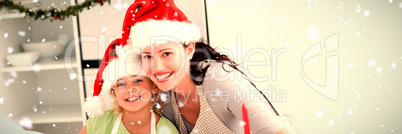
(369, 95)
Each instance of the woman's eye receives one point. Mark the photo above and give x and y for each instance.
(147, 57)
(167, 53)
(138, 80)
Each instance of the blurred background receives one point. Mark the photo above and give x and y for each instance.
(333, 66)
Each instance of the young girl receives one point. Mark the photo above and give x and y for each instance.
(124, 98)
(206, 90)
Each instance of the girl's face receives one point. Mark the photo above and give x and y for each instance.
(167, 64)
(134, 93)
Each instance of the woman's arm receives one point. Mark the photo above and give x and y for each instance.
(83, 130)
(263, 117)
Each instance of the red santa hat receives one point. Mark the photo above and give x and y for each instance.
(119, 61)
(144, 19)
(157, 18)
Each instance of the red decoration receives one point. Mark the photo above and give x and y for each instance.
(245, 119)
(57, 17)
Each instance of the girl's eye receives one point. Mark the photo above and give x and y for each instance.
(121, 84)
(167, 53)
(147, 57)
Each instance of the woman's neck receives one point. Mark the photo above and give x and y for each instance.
(140, 121)
(186, 91)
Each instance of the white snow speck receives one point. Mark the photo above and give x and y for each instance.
(359, 96)
(61, 27)
(44, 112)
(393, 65)
(39, 89)
(5, 35)
(358, 10)
(366, 12)
(339, 115)
(180, 104)
(331, 123)
(358, 34)
(400, 5)
(73, 76)
(41, 102)
(26, 123)
(242, 123)
(158, 106)
(131, 123)
(351, 65)
(118, 6)
(10, 50)
(2, 100)
(43, 40)
(382, 125)
(377, 109)
(313, 33)
(390, 1)
(36, 68)
(14, 74)
(350, 111)
(28, 40)
(218, 18)
(101, 12)
(35, 109)
(104, 29)
(319, 113)
(54, 125)
(372, 62)
(21, 33)
(138, 122)
(164, 97)
(379, 69)
(10, 115)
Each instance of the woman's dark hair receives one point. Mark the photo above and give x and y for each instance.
(204, 53)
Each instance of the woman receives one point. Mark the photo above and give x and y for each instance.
(193, 74)
(125, 98)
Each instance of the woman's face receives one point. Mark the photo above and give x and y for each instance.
(134, 93)
(167, 64)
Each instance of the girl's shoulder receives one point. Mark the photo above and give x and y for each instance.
(102, 123)
(165, 126)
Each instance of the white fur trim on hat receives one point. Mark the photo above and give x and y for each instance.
(127, 63)
(162, 31)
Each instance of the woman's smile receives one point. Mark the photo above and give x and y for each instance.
(162, 77)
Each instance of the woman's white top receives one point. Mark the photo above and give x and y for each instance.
(226, 92)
